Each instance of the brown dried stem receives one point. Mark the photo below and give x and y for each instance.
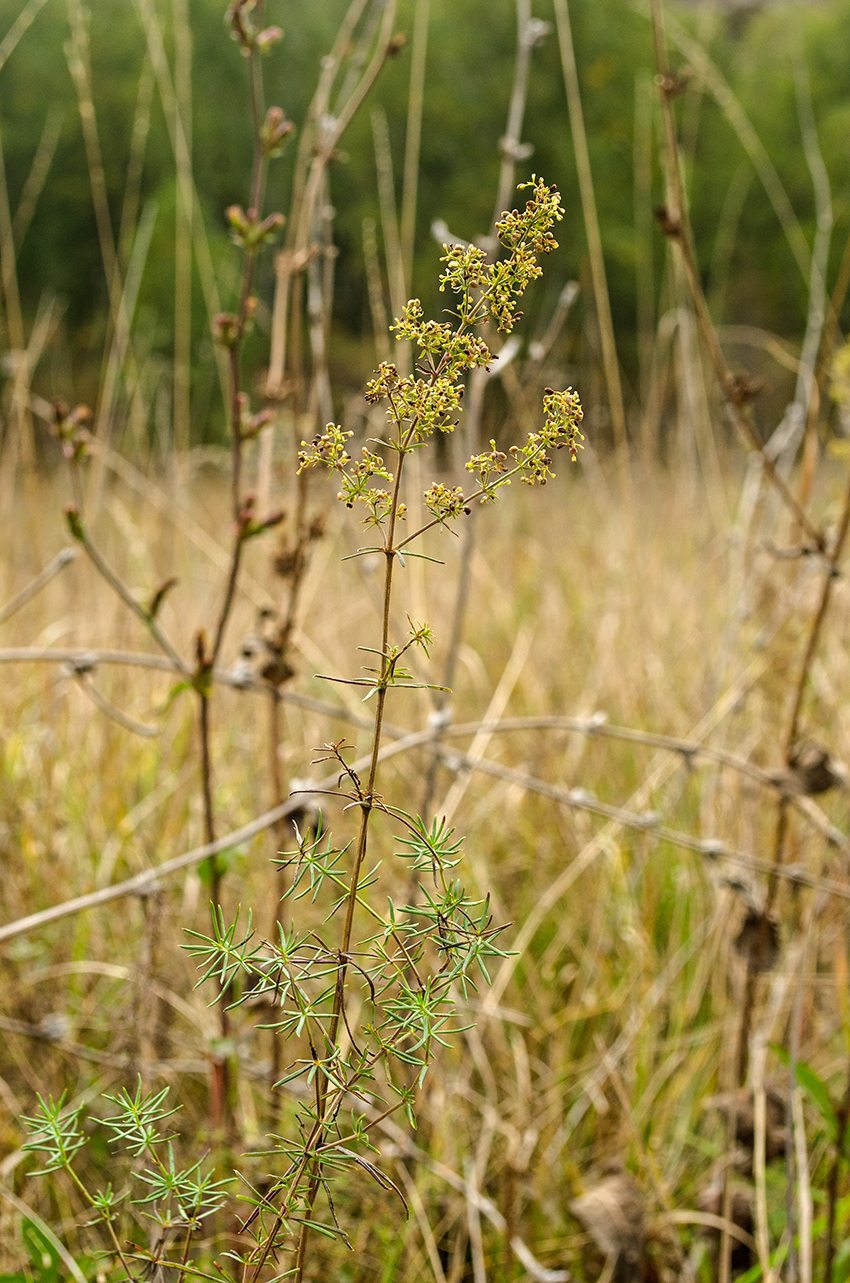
(676, 225)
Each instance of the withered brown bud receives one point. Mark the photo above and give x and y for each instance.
(741, 389)
(159, 597)
(277, 670)
(671, 227)
(758, 941)
(287, 561)
(811, 770)
(674, 83)
(225, 328)
(201, 646)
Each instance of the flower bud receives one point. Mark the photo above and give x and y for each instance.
(274, 130)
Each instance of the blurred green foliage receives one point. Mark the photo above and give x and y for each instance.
(750, 271)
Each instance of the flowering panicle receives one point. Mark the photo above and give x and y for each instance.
(429, 401)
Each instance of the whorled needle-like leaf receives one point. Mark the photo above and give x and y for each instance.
(56, 1133)
(136, 1123)
(222, 956)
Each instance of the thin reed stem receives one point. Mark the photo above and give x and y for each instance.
(594, 244)
(677, 226)
(413, 138)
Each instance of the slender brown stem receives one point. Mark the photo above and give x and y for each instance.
(185, 1258)
(221, 1069)
(280, 885)
(815, 630)
(677, 226)
(319, 139)
(414, 133)
(594, 241)
(257, 189)
(819, 618)
(206, 775)
(220, 1084)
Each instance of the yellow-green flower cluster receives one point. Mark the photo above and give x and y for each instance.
(329, 449)
(446, 503)
(428, 400)
(563, 415)
(486, 466)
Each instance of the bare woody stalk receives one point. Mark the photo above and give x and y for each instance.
(306, 232)
(737, 393)
(416, 97)
(709, 849)
(594, 242)
(323, 129)
(830, 570)
(792, 733)
(325, 123)
(528, 35)
(674, 220)
(251, 232)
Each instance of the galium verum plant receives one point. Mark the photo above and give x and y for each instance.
(366, 1007)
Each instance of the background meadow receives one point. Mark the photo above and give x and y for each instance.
(644, 739)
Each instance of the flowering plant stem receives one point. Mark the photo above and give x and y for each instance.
(365, 1008)
(417, 406)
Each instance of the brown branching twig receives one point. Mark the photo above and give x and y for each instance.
(676, 224)
(816, 628)
(320, 136)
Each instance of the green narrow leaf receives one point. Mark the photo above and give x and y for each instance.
(329, 1231)
(819, 1092)
(177, 689)
(816, 1088)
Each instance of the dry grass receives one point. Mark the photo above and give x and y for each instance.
(607, 1032)
(623, 865)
